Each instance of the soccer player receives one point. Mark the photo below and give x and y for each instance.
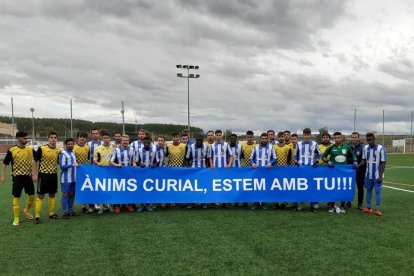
(47, 157)
(247, 149)
(307, 153)
(184, 138)
(271, 137)
(118, 139)
(357, 146)
(147, 157)
(374, 157)
(287, 137)
(197, 155)
(294, 142)
(82, 152)
(210, 138)
(339, 154)
(284, 155)
(23, 174)
(101, 157)
(325, 143)
(263, 156)
(176, 152)
(186, 133)
(68, 164)
(221, 154)
(122, 156)
(136, 145)
(96, 142)
(237, 151)
(161, 150)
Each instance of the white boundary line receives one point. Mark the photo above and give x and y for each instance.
(396, 183)
(398, 189)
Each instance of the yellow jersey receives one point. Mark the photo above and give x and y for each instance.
(81, 153)
(21, 160)
(322, 149)
(284, 154)
(103, 154)
(176, 155)
(247, 152)
(48, 159)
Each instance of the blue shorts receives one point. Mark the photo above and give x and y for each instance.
(371, 183)
(68, 187)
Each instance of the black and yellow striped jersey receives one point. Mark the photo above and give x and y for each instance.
(48, 159)
(21, 160)
(176, 155)
(247, 152)
(284, 154)
(81, 153)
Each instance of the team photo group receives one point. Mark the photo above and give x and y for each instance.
(36, 171)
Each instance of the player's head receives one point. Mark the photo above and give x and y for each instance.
(160, 140)
(141, 134)
(176, 138)
(69, 144)
(370, 139)
(106, 137)
(147, 142)
(286, 133)
(125, 141)
(219, 135)
(118, 137)
(185, 131)
(355, 137)
(95, 134)
(326, 138)
(184, 138)
(271, 135)
(81, 137)
(337, 137)
(249, 137)
(307, 134)
(263, 139)
(199, 141)
(294, 139)
(52, 138)
(22, 137)
(210, 136)
(281, 137)
(233, 139)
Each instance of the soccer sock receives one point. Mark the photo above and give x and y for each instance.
(16, 207)
(377, 196)
(52, 204)
(29, 202)
(71, 200)
(65, 204)
(369, 197)
(38, 207)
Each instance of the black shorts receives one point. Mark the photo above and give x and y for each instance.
(47, 183)
(21, 182)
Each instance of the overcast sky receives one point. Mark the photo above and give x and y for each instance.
(263, 64)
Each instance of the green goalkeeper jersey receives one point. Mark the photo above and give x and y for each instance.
(341, 155)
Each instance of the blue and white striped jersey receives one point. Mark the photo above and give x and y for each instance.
(262, 155)
(123, 156)
(272, 142)
(93, 145)
(66, 161)
(198, 155)
(220, 152)
(307, 152)
(373, 156)
(148, 157)
(237, 155)
(136, 145)
(161, 152)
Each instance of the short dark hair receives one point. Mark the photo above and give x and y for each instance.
(218, 131)
(67, 140)
(269, 131)
(355, 133)
(370, 134)
(199, 137)
(175, 134)
(82, 134)
(146, 138)
(280, 134)
(105, 133)
(118, 132)
(326, 134)
(286, 131)
(233, 135)
(184, 134)
(210, 131)
(161, 136)
(263, 134)
(337, 133)
(294, 135)
(307, 131)
(21, 133)
(249, 132)
(51, 133)
(94, 129)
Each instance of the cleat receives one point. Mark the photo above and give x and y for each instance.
(367, 210)
(314, 210)
(204, 206)
(37, 220)
(190, 206)
(117, 210)
(337, 210)
(263, 207)
(253, 207)
(359, 207)
(111, 209)
(277, 206)
(16, 222)
(342, 210)
(27, 214)
(283, 206)
(66, 216)
(378, 213)
(130, 208)
(149, 208)
(348, 204)
(331, 210)
(86, 210)
(100, 211)
(140, 209)
(73, 214)
(54, 216)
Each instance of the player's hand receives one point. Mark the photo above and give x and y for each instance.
(330, 164)
(212, 166)
(254, 166)
(75, 164)
(228, 166)
(379, 179)
(355, 165)
(269, 165)
(316, 163)
(296, 163)
(142, 165)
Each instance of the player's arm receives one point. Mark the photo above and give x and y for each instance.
(273, 158)
(296, 158)
(253, 159)
(36, 163)
(62, 163)
(231, 157)
(317, 153)
(156, 160)
(189, 156)
(112, 160)
(382, 165)
(326, 154)
(363, 159)
(96, 157)
(5, 163)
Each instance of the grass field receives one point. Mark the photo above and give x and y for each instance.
(216, 241)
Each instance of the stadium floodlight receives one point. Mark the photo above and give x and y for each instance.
(188, 76)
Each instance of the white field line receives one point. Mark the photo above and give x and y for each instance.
(408, 191)
(396, 183)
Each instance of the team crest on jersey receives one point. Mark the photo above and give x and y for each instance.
(343, 151)
(340, 159)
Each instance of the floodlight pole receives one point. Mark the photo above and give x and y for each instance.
(354, 118)
(411, 131)
(33, 127)
(12, 110)
(188, 76)
(71, 119)
(123, 119)
(383, 127)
